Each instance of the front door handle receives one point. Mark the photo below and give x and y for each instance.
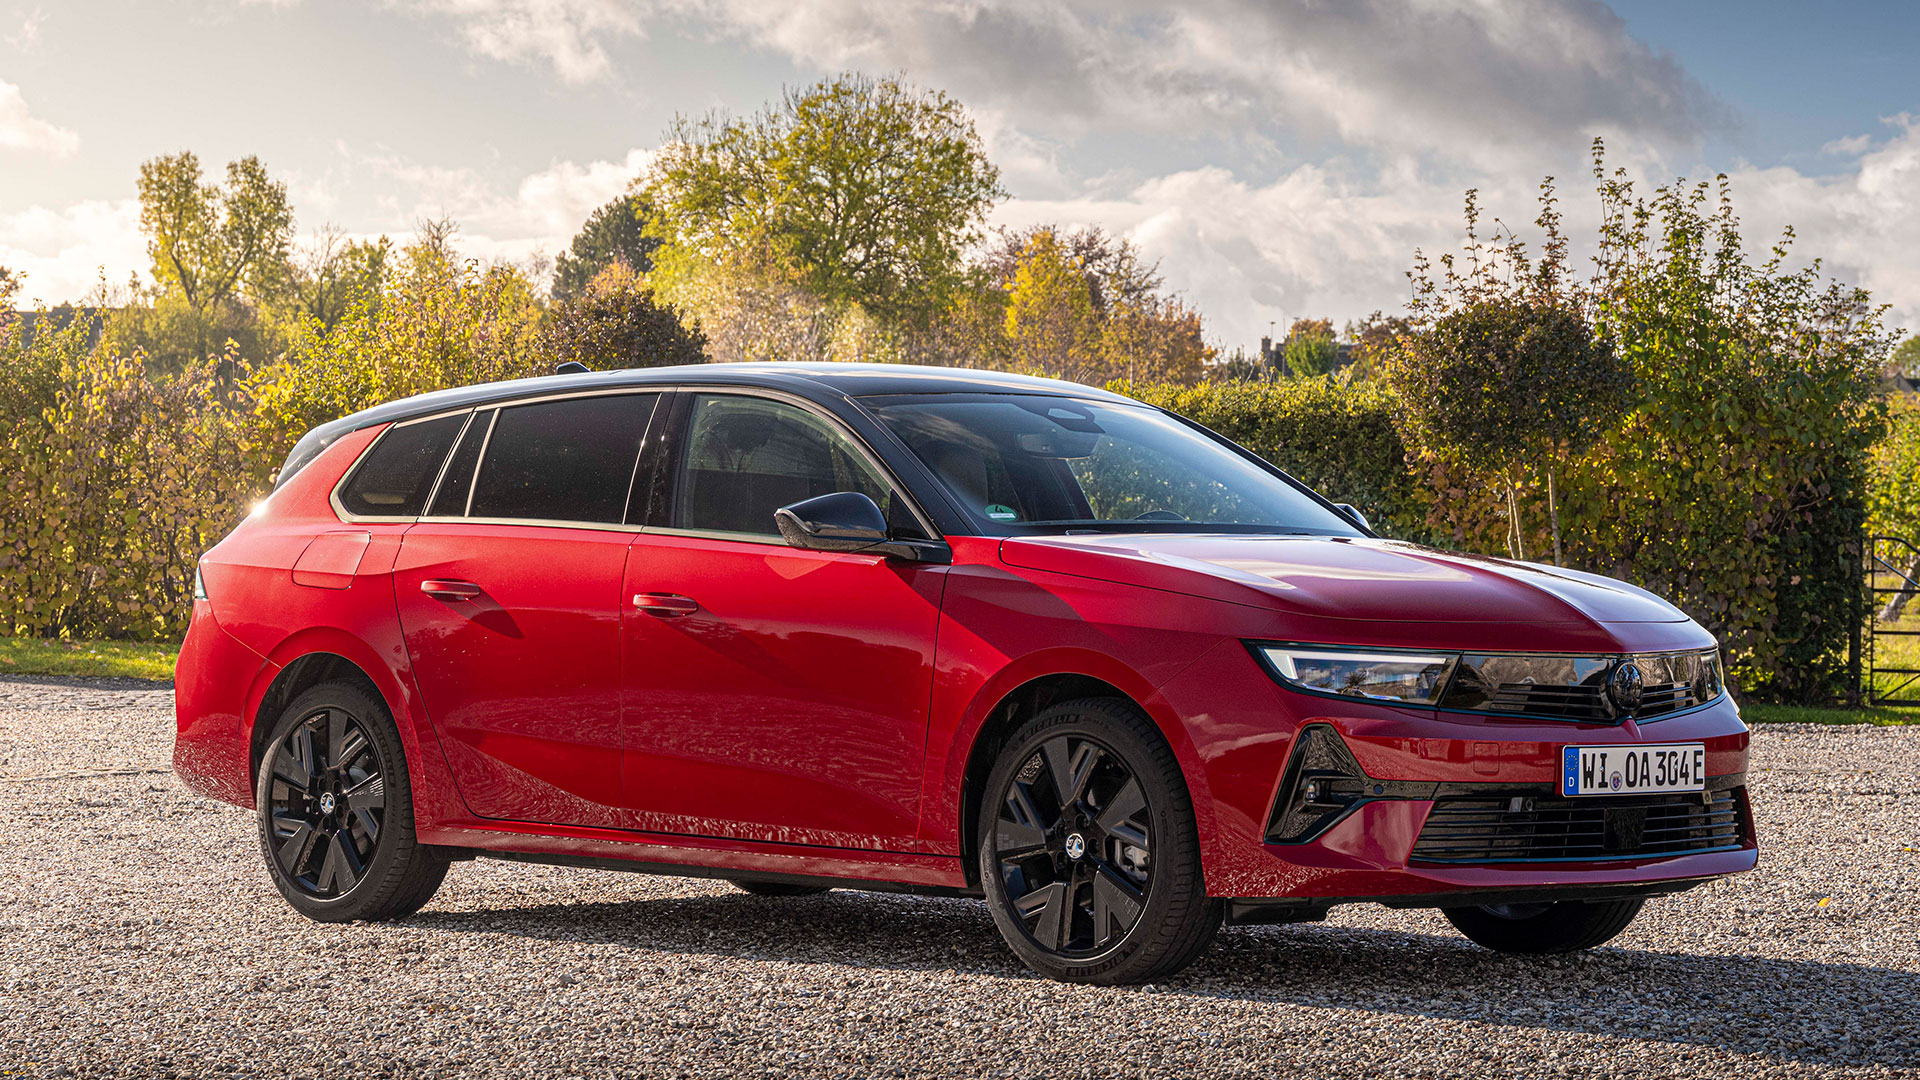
(449, 590)
(665, 605)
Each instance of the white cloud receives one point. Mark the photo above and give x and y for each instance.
(562, 34)
(1479, 80)
(28, 36)
(64, 253)
(1863, 221)
(21, 131)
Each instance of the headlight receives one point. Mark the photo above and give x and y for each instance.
(1409, 677)
(1592, 689)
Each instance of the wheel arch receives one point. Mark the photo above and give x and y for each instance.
(1012, 707)
(297, 677)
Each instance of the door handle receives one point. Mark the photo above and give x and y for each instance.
(449, 590)
(665, 605)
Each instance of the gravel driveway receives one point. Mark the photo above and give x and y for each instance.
(139, 935)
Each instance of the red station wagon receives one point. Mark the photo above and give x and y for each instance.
(960, 633)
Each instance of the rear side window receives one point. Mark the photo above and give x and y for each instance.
(451, 499)
(395, 477)
(567, 460)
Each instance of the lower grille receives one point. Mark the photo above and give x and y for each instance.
(1533, 828)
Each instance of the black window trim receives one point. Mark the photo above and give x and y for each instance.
(675, 437)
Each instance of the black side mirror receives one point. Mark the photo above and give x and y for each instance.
(1353, 512)
(850, 521)
(842, 521)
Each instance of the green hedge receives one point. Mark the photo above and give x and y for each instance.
(1338, 438)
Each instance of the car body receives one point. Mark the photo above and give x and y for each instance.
(655, 678)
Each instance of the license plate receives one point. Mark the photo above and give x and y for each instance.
(1632, 770)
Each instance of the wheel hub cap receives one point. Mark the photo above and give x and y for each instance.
(1076, 847)
(326, 802)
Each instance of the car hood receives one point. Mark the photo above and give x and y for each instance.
(1347, 578)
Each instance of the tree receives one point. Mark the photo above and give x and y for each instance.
(219, 251)
(1050, 322)
(1130, 329)
(869, 190)
(615, 233)
(1374, 339)
(615, 322)
(1506, 383)
(1310, 349)
(1906, 357)
(333, 274)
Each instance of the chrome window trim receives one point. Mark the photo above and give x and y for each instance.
(333, 495)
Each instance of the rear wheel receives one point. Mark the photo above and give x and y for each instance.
(1567, 926)
(1089, 856)
(778, 888)
(336, 811)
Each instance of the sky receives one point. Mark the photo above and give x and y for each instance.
(1280, 158)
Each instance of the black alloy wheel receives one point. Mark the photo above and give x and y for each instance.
(1075, 846)
(1089, 856)
(328, 798)
(336, 813)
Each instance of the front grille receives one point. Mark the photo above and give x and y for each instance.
(1550, 702)
(1595, 688)
(1533, 828)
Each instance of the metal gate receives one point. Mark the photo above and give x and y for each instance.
(1893, 647)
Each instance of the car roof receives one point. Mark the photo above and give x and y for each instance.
(817, 381)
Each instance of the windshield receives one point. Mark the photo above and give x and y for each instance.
(1034, 463)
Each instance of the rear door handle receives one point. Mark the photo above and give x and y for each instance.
(665, 605)
(449, 590)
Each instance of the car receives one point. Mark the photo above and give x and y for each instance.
(949, 632)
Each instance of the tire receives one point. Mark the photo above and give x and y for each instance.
(1109, 892)
(335, 811)
(778, 888)
(1537, 929)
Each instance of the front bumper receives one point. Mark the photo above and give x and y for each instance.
(1244, 729)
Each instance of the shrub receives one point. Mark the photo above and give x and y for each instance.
(1336, 437)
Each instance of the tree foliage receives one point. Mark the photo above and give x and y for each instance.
(1310, 348)
(869, 190)
(614, 234)
(615, 322)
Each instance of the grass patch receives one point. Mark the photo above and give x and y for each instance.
(1882, 715)
(100, 659)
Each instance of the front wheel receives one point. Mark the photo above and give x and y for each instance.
(336, 811)
(1089, 856)
(1564, 927)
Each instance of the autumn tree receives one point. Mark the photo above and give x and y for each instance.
(220, 254)
(614, 321)
(869, 190)
(333, 273)
(1050, 322)
(616, 233)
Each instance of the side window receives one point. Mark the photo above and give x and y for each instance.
(451, 499)
(566, 460)
(395, 477)
(745, 457)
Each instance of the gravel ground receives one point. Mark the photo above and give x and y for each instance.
(139, 936)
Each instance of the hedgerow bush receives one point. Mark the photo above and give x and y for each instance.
(1341, 439)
